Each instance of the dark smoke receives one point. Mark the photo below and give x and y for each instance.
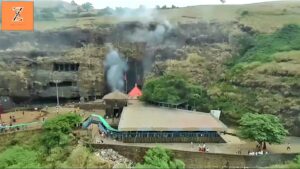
(115, 67)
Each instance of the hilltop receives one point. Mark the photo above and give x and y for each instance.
(264, 17)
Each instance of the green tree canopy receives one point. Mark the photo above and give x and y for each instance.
(168, 88)
(63, 123)
(160, 158)
(87, 6)
(262, 128)
(57, 130)
(175, 88)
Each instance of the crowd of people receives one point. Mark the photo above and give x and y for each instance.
(252, 153)
(203, 148)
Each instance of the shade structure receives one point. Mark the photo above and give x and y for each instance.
(116, 95)
(142, 117)
(135, 92)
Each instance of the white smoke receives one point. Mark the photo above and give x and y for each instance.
(115, 66)
(141, 14)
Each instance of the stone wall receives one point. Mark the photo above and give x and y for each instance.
(207, 160)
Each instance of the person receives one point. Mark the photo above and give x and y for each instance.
(288, 148)
(23, 113)
(227, 165)
(14, 119)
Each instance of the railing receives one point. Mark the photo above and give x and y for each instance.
(18, 127)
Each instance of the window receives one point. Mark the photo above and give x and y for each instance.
(66, 67)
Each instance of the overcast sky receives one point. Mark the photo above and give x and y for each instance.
(152, 3)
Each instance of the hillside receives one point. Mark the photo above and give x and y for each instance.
(245, 57)
(264, 17)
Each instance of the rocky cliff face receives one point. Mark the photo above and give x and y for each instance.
(32, 64)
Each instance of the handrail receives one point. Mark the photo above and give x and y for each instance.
(102, 120)
(20, 125)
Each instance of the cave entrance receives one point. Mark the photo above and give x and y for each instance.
(134, 75)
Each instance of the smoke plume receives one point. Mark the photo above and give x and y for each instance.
(115, 67)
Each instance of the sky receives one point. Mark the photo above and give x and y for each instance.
(152, 3)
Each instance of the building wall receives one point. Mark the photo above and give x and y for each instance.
(207, 160)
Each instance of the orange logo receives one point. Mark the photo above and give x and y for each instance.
(17, 16)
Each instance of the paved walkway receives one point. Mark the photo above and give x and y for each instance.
(231, 147)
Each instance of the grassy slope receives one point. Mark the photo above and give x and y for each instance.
(264, 17)
(266, 79)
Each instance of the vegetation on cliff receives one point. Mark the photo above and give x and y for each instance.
(264, 78)
(174, 89)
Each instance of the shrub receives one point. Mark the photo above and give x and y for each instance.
(18, 157)
(160, 158)
(244, 13)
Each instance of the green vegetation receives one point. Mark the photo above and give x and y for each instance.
(57, 131)
(262, 128)
(285, 39)
(160, 158)
(293, 164)
(266, 66)
(87, 6)
(51, 148)
(19, 157)
(171, 88)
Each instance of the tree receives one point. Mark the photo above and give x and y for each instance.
(160, 158)
(174, 88)
(73, 3)
(105, 11)
(169, 88)
(57, 130)
(164, 7)
(63, 123)
(262, 128)
(87, 6)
